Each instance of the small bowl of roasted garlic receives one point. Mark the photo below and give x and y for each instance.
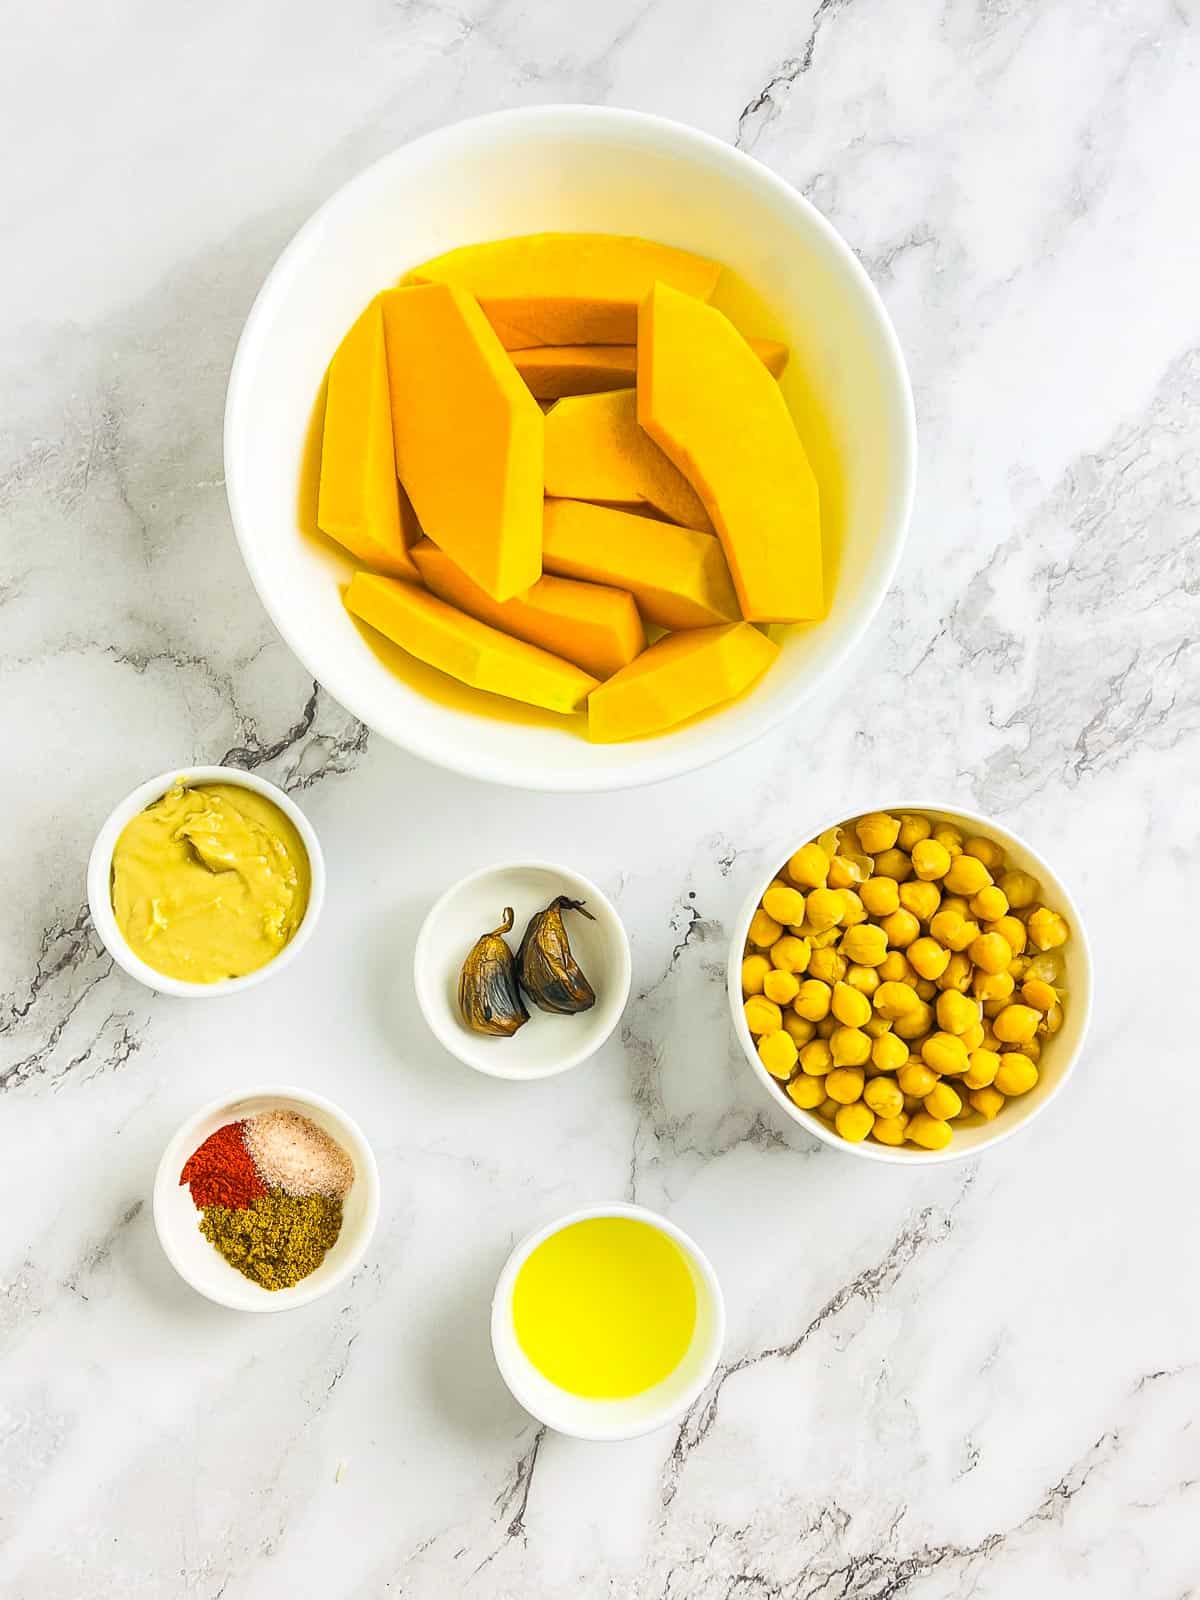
(522, 970)
(912, 985)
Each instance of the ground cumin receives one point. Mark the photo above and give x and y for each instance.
(278, 1238)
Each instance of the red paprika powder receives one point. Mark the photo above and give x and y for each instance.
(222, 1172)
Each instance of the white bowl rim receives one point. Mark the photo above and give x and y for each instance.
(422, 969)
(501, 1317)
(728, 734)
(868, 1150)
(99, 874)
(166, 1180)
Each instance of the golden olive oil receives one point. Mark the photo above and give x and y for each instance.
(605, 1308)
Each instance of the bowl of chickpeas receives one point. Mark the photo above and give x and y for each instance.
(912, 984)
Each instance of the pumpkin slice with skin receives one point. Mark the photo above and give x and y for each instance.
(679, 677)
(555, 370)
(466, 649)
(596, 627)
(359, 502)
(677, 576)
(567, 288)
(743, 456)
(468, 436)
(596, 450)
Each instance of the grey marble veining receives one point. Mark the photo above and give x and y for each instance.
(978, 1381)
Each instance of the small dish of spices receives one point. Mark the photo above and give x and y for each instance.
(266, 1202)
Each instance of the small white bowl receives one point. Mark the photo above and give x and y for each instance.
(1061, 1053)
(177, 1220)
(547, 1044)
(585, 1418)
(99, 880)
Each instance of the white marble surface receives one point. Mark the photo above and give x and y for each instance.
(982, 1381)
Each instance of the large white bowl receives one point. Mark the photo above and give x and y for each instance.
(1059, 1057)
(565, 168)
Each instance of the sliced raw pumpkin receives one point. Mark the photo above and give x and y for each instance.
(468, 436)
(677, 678)
(677, 576)
(555, 370)
(743, 457)
(466, 649)
(596, 627)
(360, 503)
(567, 288)
(596, 450)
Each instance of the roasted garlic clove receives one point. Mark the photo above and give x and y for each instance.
(548, 972)
(488, 996)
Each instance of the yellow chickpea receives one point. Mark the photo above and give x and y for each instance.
(785, 906)
(928, 957)
(762, 1015)
(972, 1037)
(931, 1133)
(851, 1047)
(949, 837)
(806, 1092)
(916, 1078)
(888, 1054)
(912, 830)
(1041, 996)
(854, 1123)
(895, 968)
(1047, 930)
(864, 944)
(914, 1024)
(1020, 888)
(827, 1025)
(891, 1130)
(893, 864)
(825, 908)
(823, 940)
(827, 965)
(967, 875)
(958, 904)
(952, 930)
(990, 904)
(955, 1013)
(1012, 931)
(1016, 1074)
(944, 1054)
(777, 1052)
(921, 898)
(942, 1102)
(1031, 1048)
(798, 1028)
(926, 988)
(930, 860)
(809, 867)
(828, 1109)
(849, 1005)
(991, 952)
(855, 911)
(754, 970)
(1053, 1020)
(881, 896)
(865, 979)
(791, 954)
(884, 1097)
(985, 850)
(877, 831)
(812, 999)
(764, 930)
(893, 1000)
(845, 1085)
(782, 987)
(1015, 1024)
(958, 973)
(982, 1067)
(845, 873)
(992, 985)
(900, 928)
(876, 1026)
(988, 1102)
(816, 1058)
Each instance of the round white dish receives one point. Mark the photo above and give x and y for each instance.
(177, 1220)
(564, 168)
(1060, 1055)
(99, 880)
(585, 1418)
(547, 1044)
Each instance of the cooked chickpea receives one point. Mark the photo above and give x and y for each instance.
(1020, 888)
(827, 965)
(1053, 1019)
(893, 864)
(884, 1097)
(1045, 967)
(855, 911)
(816, 1058)
(806, 1092)
(991, 952)
(827, 1109)
(989, 904)
(1039, 995)
(912, 830)
(877, 831)
(988, 1102)
(1047, 930)
(782, 987)
(823, 940)
(930, 860)
(826, 1026)
(825, 908)
(762, 1015)
(900, 929)
(845, 1085)
(890, 1130)
(992, 985)
(928, 957)
(944, 1054)
(1012, 931)
(854, 1123)
(942, 1102)
(809, 867)
(851, 1047)
(865, 979)
(1015, 1024)
(893, 1000)
(929, 1132)
(876, 1026)
(926, 988)
(777, 1052)
(985, 850)
(865, 945)
(754, 970)
(953, 930)
(958, 973)
(972, 1037)
(785, 906)
(799, 1028)
(850, 1006)
(914, 1024)
(845, 873)
(922, 899)
(895, 968)
(949, 837)
(1031, 1048)
(967, 875)
(812, 999)
(1016, 1074)
(764, 930)
(916, 1078)
(881, 896)
(982, 1067)
(888, 1053)
(791, 954)
(955, 1013)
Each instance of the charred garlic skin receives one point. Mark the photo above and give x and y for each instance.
(489, 997)
(548, 972)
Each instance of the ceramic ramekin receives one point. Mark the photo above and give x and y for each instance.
(1061, 1053)
(611, 1419)
(99, 880)
(177, 1220)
